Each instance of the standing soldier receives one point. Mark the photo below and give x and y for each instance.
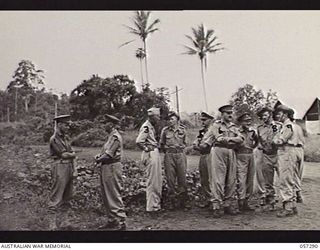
(173, 142)
(225, 137)
(63, 155)
(111, 175)
(298, 141)
(245, 162)
(204, 150)
(268, 162)
(150, 157)
(287, 163)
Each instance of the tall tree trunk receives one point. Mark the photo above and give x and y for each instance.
(26, 104)
(141, 72)
(16, 105)
(204, 86)
(145, 60)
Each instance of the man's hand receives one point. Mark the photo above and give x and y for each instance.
(68, 155)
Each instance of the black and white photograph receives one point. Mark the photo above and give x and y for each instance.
(155, 120)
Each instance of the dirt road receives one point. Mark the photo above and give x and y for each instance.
(23, 201)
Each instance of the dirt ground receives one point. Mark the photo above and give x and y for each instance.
(23, 202)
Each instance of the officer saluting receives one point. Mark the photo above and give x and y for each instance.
(245, 161)
(204, 149)
(150, 157)
(63, 155)
(111, 175)
(286, 160)
(225, 137)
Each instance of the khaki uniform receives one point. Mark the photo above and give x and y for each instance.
(223, 162)
(151, 160)
(267, 161)
(245, 163)
(173, 142)
(111, 177)
(62, 171)
(204, 162)
(287, 164)
(298, 141)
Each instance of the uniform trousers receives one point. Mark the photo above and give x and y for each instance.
(266, 165)
(286, 160)
(299, 168)
(245, 175)
(61, 191)
(175, 166)
(111, 178)
(152, 162)
(204, 170)
(223, 177)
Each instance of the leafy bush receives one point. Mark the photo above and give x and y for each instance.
(94, 137)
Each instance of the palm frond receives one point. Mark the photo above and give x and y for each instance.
(155, 22)
(190, 50)
(215, 50)
(126, 43)
(153, 30)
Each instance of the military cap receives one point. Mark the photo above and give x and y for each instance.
(284, 108)
(226, 108)
(172, 113)
(264, 109)
(291, 112)
(153, 111)
(246, 116)
(205, 116)
(62, 118)
(112, 119)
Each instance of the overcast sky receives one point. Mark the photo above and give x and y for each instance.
(276, 50)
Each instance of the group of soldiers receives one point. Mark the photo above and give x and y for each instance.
(234, 157)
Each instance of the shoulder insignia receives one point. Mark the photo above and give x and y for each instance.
(289, 126)
(146, 129)
(274, 128)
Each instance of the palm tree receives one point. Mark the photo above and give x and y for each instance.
(204, 42)
(143, 29)
(140, 55)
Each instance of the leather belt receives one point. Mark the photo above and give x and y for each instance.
(174, 150)
(65, 161)
(244, 151)
(224, 146)
(295, 146)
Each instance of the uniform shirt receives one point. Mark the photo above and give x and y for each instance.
(250, 139)
(173, 138)
(298, 136)
(200, 136)
(58, 145)
(147, 135)
(266, 133)
(114, 146)
(223, 134)
(286, 134)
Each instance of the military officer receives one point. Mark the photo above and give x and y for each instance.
(150, 157)
(298, 140)
(205, 157)
(172, 143)
(111, 175)
(286, 161)
(224, 136)
(268, 163)
(63, 166)
(245, 161)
